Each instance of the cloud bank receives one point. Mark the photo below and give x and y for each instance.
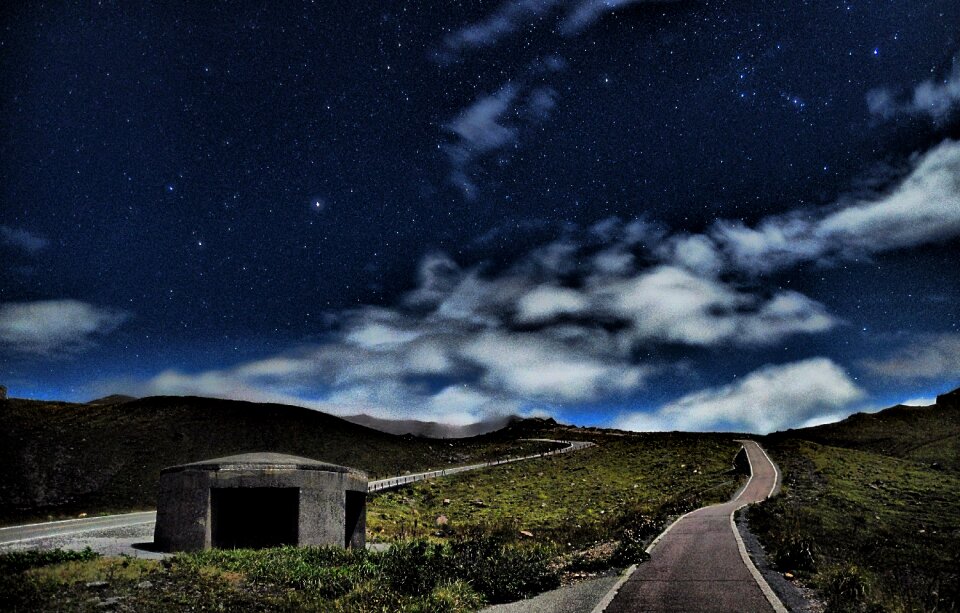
(50, 327)
(931, 357)
(924, 207)
(576, 320)
(771, 398)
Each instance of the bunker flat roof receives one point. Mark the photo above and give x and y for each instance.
(264, 460)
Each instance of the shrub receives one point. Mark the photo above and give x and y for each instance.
(632, 547)
(844, 588)
(786, 530)
(503, 572)
(450, 597)
(412, 567)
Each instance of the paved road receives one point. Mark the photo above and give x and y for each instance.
(60, 533)
(699, 563)
(70, 527)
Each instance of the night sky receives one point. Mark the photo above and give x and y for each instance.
(648, 215)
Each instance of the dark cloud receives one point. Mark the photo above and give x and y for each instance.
(18, 238)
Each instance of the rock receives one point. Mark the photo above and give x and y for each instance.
(109, 602)
(446, 501)
(788, 575)
(479, 503)
(526, 533)
(442, 520)
(95, 584)
(144, 585)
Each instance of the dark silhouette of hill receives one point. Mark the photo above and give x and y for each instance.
(112, 399)
(928, 434)
(62, 458)
(432, 429)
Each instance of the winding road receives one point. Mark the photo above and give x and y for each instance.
(700, 563)
(60, 532)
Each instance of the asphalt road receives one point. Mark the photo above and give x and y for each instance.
(699, 563)
(68, 532)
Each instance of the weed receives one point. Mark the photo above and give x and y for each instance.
(19, 561)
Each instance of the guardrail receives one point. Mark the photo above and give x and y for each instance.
(386, 484)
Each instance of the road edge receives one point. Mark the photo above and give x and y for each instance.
(768, 592)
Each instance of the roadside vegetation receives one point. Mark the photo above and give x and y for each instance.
(415, 576)
(584, 503)
(869, 532)
(512, 531)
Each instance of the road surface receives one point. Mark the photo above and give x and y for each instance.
(699, 563)
(74, 533)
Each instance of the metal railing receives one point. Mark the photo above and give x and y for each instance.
(392, 482)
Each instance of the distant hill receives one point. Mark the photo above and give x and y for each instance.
(928, 434)
(432, 429)
(112, 399)
(62, 458)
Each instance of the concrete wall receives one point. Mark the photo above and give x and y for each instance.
(183, 509)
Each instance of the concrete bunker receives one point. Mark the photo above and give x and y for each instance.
(258, 500)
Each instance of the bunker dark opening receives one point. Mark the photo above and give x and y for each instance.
(254, 517)
(355, 522)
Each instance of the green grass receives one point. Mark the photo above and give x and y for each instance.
(869, 531)
(414, 576)
(926, 434)
(578, 498)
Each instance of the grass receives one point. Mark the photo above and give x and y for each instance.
(925, 434)
(579, 498)
(871, 532)
(414, 576)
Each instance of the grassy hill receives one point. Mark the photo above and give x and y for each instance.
(927, 434)
(62, 459)
(868, 512)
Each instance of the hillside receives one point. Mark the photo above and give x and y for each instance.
(868, 507)
(62, 458)
(928, 434)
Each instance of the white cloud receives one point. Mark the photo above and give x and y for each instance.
(491, 125)
(48, 327)
(547, 302)
(935, 98)
(507, 19)
(922, 208)
(513, 15)
(697, 253)
(671, 304)
(18, 238)
(378, 335)
(768, 399)
(929, 357)
(533, 366)
(480, 129)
